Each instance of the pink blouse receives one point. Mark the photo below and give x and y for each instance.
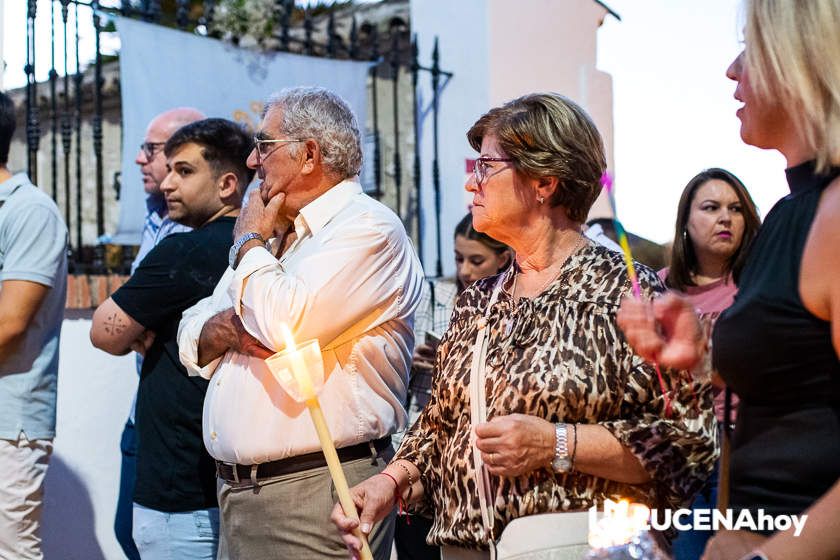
(710, 301)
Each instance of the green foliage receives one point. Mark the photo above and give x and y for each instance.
(255, 23)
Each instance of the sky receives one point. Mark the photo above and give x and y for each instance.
(674, 113)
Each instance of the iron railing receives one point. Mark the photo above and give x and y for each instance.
(296, 30)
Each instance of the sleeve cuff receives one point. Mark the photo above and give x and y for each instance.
(189, 334)
(36, 277)
(252, 261)
(188, 349)
(206, 372)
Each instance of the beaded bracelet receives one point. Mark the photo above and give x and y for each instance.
(410, 481)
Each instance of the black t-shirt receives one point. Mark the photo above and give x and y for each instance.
(174, 471)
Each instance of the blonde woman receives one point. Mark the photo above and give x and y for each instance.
(573, 416)
(778, 346)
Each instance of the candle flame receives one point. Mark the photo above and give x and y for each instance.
(620, 523)
(287, 337)
(299, 368)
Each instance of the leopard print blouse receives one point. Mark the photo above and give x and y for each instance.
(562, 357)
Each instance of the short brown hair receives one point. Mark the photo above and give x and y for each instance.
(548, 135)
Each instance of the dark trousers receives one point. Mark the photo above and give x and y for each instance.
(125, 500)
(410, 538)
(689, 545)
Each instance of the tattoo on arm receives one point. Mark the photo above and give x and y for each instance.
(114, 325)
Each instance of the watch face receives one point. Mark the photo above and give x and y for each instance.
(561, 464)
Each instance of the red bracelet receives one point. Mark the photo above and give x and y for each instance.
(400, 502)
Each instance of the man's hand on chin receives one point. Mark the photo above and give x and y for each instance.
(260, 217)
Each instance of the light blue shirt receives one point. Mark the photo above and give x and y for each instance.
(156, 227)
(33, 247)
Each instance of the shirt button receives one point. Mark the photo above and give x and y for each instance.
(212, 435)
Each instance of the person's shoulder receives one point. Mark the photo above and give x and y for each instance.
(32, 212)
(376, 211)
(603, 276)
(826, 228)
(478, 293)
(830, 203)
(28, 196)
(365, 214)
(178, 241)
(220, 230)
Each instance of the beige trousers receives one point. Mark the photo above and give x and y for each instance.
(24, 464)
(289, 516)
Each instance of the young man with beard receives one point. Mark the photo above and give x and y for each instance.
(175, 509)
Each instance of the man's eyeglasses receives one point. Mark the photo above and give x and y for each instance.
(481, 167)
(263, 149)
(151, 148)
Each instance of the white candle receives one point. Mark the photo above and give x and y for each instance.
(304, 389)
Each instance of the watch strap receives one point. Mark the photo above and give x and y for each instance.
(237, 246)
(562, 461)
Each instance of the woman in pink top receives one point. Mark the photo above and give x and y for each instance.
(716, 222)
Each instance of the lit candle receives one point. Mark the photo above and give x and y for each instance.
(622, 520)
(299, 369)
(299, 385)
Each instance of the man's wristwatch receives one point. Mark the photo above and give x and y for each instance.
(234, 250)
(562, 463)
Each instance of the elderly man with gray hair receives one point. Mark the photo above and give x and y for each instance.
(313, 252)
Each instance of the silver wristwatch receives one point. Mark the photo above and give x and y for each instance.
(562, 463)
(245, 238)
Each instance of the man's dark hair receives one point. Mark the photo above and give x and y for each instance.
(225, 146)
(7, 126)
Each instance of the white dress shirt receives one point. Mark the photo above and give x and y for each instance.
(352, 280)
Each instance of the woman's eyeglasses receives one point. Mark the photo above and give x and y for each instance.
(482, 166)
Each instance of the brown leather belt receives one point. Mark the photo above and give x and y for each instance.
(242, 473)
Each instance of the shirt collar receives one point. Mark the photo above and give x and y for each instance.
(156, 203)
(11, 184)
(320, 211)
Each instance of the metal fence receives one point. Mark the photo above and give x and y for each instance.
(324, 31)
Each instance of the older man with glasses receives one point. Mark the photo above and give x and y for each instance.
(339, 268)
(156, 226)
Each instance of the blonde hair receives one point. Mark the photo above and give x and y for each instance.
(793, 55)
(548, 135)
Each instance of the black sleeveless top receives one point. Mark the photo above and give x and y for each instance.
(779, 359)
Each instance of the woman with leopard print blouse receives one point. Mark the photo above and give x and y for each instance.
(574, 417)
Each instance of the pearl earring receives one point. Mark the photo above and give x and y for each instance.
(540, 199)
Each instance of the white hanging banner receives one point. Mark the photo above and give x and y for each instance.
(162, 68)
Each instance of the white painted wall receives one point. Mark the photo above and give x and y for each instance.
(462, 31)
(546, 45)
(94, 396)
(498, 50)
